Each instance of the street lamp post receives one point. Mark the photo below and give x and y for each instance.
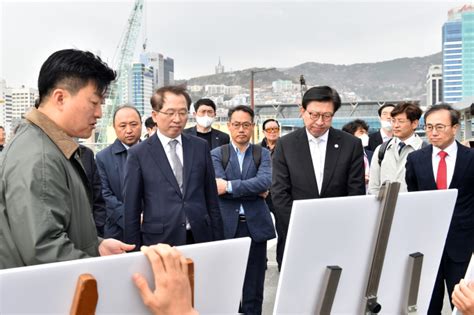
(252, 94)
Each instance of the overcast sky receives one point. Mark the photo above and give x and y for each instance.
(243, 34)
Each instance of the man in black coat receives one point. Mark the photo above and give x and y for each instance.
(316, 161)
(205, 114)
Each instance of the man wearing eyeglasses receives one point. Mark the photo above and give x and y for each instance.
(405, 118)
(316, 161)
(446, 164)
(242, 185)
(170, 179)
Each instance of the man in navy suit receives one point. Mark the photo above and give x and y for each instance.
(170, 179)
(111, 163)
(446, 164)
(205, 113)
(242, 186)
(316, 161)
(385, 132)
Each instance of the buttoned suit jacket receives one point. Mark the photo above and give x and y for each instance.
(218, 137)
(419, 176)
(111, 167)
(151, 188)
(246, 187)
(293, 172)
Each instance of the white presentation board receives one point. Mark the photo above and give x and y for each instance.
(343, 232)
(219, 269)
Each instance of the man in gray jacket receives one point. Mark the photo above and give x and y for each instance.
(389, 159)
(45, 205)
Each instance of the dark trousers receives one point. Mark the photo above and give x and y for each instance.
(451, 272)
(252, 296)
(280, 232)
(189, 237)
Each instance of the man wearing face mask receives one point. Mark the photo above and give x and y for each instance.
(205, 113)
(385, 132)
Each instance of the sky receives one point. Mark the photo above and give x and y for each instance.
(243, 34)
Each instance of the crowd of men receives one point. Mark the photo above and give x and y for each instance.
(184, 186)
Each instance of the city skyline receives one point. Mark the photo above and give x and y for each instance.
(243, 34)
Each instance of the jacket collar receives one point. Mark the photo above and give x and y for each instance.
(65, 143)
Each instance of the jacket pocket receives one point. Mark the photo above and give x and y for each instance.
(152, 228)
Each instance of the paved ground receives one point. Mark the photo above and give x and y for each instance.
(271, 282)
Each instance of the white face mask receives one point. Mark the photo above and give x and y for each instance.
(204, 121)
(387, 125)
(365, 139)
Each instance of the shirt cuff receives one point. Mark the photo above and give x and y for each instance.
(229, 187)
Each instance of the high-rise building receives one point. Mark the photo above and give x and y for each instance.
(23, 99)
(458, 54)
(163, 68)
(5, 102)
(142, 88)
(168, 69)
(434, 85)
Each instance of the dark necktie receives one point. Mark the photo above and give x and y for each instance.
(177, 166)
(401, 145)
(442, 176)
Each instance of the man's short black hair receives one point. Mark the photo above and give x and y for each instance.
(241, 108)
(384, 106)
(150, 123)
(322, 94)
(122, 107)
(412, 111)
(352, 126)
(72, 70)
(453, 114)
(157, 100)
(269, 120)
(204, 101)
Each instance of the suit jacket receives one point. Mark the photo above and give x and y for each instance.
(293, 173)
(111, 165)
(419, 176)
(246, 186)
(151, 188)
(218, 138)
(95, 186)
(375, 139)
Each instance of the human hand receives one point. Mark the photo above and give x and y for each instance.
(263, 194)
(463, 297)
(172, 294)
(221, 186)
(112, 246)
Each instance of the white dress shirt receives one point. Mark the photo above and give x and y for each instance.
(385, 137)
(165, 141)
(317, 148)
(452, 151)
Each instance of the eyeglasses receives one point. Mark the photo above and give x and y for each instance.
(172, 113)
(316, 115)
(245, 125)
(274, 129)
(438, 127)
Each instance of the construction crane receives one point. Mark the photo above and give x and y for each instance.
(121, 62)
